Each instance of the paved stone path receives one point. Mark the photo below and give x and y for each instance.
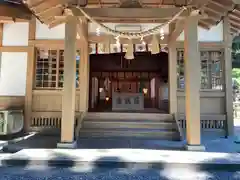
(87, 173)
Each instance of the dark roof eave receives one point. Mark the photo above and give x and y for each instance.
(15, 10)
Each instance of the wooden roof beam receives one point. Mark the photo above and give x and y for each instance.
(32, 4)
(129, 20)
(51, 11)
(222, 4)
(138, 13)
(179, 27)
(236, 26)
(234, 22)
(234, 32)
(48, 20)
(234, 16)
(234, 29)
(213, 16)
(14, 11)
(219, 13)
(177, 31)
(97, 5)
(204, 25)
(48, 4)
(236, 10)
(207, 24)
(56, 22)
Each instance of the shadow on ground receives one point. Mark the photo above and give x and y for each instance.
(13, 136)
(62, 165)
(37, 141)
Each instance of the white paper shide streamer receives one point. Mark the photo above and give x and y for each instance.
(129, 53)
(136, 35)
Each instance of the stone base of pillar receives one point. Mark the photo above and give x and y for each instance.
(195, 147)
(67, 145)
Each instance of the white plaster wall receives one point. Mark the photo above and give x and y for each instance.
(43, 32)
(15, 34)
(215, 34)
(13, 74)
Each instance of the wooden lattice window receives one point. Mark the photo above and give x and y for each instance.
(180, 69)
(50, 69)
(211, 70)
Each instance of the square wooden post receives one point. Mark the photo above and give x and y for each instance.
(69, 85)
(172, 75)
(228, 76)
(84, 67)
(192, 83)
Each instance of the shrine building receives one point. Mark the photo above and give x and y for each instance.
(67, 63)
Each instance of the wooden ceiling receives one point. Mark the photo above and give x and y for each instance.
(51, 12)
(14, 10)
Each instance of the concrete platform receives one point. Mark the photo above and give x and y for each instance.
(123, 158)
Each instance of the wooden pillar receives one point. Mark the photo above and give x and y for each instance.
(228, 76)
(84, 67)
(172, 75)
(1, 39)
(31, 59)
(69, 84)
(29, 88)
(32, 29)
(1, 33)
(192, 83)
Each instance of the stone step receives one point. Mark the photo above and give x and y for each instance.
(129, 120)
(154, 134)
(128, 125)
(128, 116)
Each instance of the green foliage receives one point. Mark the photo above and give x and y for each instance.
(236, 49)
(236, 77)
(236, 73)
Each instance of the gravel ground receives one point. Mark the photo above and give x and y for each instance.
(133, 173)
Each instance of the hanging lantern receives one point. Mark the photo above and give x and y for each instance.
(129, 51)
(145, 91)
(155, 45)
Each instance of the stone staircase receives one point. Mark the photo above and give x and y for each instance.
(144, 125)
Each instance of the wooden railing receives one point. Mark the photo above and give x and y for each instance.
(206, 124)
(51, 121)
(212, 123)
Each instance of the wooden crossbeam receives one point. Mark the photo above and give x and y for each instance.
(138, 13)
(47, 4)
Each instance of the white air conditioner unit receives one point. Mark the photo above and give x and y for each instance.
(11, 121)
(128, 28)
